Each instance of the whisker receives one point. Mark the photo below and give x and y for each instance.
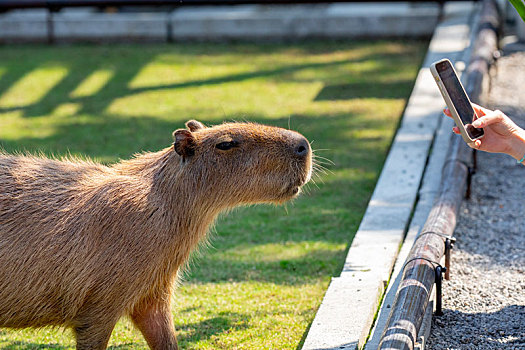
(286, 208)
(323, 164)
(314, 183)
(306, 189)
(318, 157)
(328, 172)
(321, 171)
(320, 178)
(319, 165)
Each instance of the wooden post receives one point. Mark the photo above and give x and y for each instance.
(419, 274)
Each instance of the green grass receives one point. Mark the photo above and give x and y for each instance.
(261, 280)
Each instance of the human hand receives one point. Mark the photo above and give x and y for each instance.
(502, 135)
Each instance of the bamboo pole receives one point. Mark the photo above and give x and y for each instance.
(419, 273)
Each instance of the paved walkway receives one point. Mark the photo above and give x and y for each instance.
(484, 302)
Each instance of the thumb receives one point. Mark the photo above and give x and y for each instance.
(488, 119)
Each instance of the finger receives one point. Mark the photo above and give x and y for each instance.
(476, 144)
(447, 112)
(480, 111)
(456, 130)
(488, 119)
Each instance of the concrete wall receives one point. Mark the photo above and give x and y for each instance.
(224, 23)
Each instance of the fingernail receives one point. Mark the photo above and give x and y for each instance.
(476, 123)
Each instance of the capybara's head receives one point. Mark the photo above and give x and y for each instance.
(245, 162)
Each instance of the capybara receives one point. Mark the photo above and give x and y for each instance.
(83, 244)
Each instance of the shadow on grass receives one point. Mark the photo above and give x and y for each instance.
(21, 345)
(288, 271)
(125, 66)
(364, 89)
(206, 329)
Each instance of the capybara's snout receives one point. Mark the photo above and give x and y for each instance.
(300, 154)
(298, 144)
(302, 149)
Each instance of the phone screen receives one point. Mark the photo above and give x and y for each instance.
(459, 98)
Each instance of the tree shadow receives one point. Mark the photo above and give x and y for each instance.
(14, 73)
(301, 270)
(188, 333)
(125, 65)
(365, 89)
(206, 329)
(21, 345)
(102, 137)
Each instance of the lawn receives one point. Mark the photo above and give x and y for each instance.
(260, 281)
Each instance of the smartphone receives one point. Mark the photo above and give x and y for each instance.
(456, 98)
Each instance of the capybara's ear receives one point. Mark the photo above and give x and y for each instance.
(194, 125)
(184, 143)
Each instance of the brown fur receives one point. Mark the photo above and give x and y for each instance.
(83, 244)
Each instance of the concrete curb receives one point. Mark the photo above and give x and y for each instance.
(241, 22)
(345, 316)
(24, 25)
(300, 21)
(88, 25)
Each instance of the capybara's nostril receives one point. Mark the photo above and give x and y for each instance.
(302, 148)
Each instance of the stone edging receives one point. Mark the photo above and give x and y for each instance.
(223, 22)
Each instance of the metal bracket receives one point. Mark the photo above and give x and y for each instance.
(449, 244)
(439, 271)
(439, 289)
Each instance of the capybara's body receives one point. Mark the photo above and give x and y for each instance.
(83, 244)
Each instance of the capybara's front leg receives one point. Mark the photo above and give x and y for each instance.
(93, 337)
(155, 321)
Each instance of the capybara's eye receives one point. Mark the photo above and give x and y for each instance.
(226, 145)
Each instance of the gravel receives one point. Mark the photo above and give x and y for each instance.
(484, 302)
